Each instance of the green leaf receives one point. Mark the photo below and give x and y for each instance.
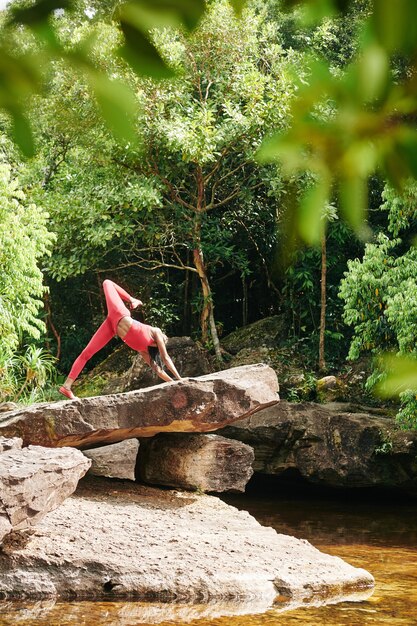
(237, 6)
(373, 70)
(354, 200)
(407, 149)
(145, 15)
(118, 106)
(282, 149)
(395, 24)
(37, 12)
(22, 133)
(401, 375)
(142, 55)
(311, 211)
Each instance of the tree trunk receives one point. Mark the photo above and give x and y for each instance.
(186, 306)
(322, 361)
(206, 317)
(51, 325)
(244, 302)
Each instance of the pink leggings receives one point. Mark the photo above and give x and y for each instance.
(115, 311)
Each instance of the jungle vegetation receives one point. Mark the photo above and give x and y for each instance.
(223, 160)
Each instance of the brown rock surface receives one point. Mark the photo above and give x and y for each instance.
(34, 481)
(195, 461)
(138, 542)
(330, 445)
(202, 404)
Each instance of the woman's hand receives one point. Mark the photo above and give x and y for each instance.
(135, 303)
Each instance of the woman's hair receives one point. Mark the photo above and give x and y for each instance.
(155, 356)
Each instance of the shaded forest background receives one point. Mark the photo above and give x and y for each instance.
(190, 212)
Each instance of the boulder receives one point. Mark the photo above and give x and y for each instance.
(132, 541)
(270, 332)
(14, 443)
(125, 370)
(330, 446)
(330, 388)
(194, 461)
(201, 404)
(115, 461)
(7, 406)
(34, 481)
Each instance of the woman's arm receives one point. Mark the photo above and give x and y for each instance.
(159, 338)
(155, 367)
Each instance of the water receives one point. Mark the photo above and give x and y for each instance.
(378, 536)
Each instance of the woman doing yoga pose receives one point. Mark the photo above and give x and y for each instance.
(146, 340)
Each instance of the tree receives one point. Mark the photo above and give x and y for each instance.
(166, 204)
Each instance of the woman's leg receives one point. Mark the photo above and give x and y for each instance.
(116, 309)
(97, 341)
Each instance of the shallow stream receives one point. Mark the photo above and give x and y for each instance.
(378, 535)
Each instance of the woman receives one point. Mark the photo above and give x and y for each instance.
(146, 340)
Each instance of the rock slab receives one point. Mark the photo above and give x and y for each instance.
(143, 543)
(34, 481)
(201, 404)
(115, 461)
(195, 461)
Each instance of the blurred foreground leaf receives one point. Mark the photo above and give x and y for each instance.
(400, 375)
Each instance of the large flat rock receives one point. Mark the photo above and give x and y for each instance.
(202, 404)
(118, 540)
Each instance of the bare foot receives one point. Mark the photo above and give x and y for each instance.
(67, 393)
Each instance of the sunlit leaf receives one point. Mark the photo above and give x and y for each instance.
(280, 149)
(373, 73)
(311, 210)
(117, 104)
(401, 375)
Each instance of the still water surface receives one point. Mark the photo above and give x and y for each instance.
(378, 536)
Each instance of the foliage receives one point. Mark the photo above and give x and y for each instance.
(21, 73)
(346, 125)
(25, 375)
(301, 292)
(192, 193)
(24, 241)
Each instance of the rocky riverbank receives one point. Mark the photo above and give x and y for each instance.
(114, 540)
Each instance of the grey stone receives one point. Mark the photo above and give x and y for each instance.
(115, 461)
(13, 443)
(132, 541)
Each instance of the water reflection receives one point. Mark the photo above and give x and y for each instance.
(46, 613)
